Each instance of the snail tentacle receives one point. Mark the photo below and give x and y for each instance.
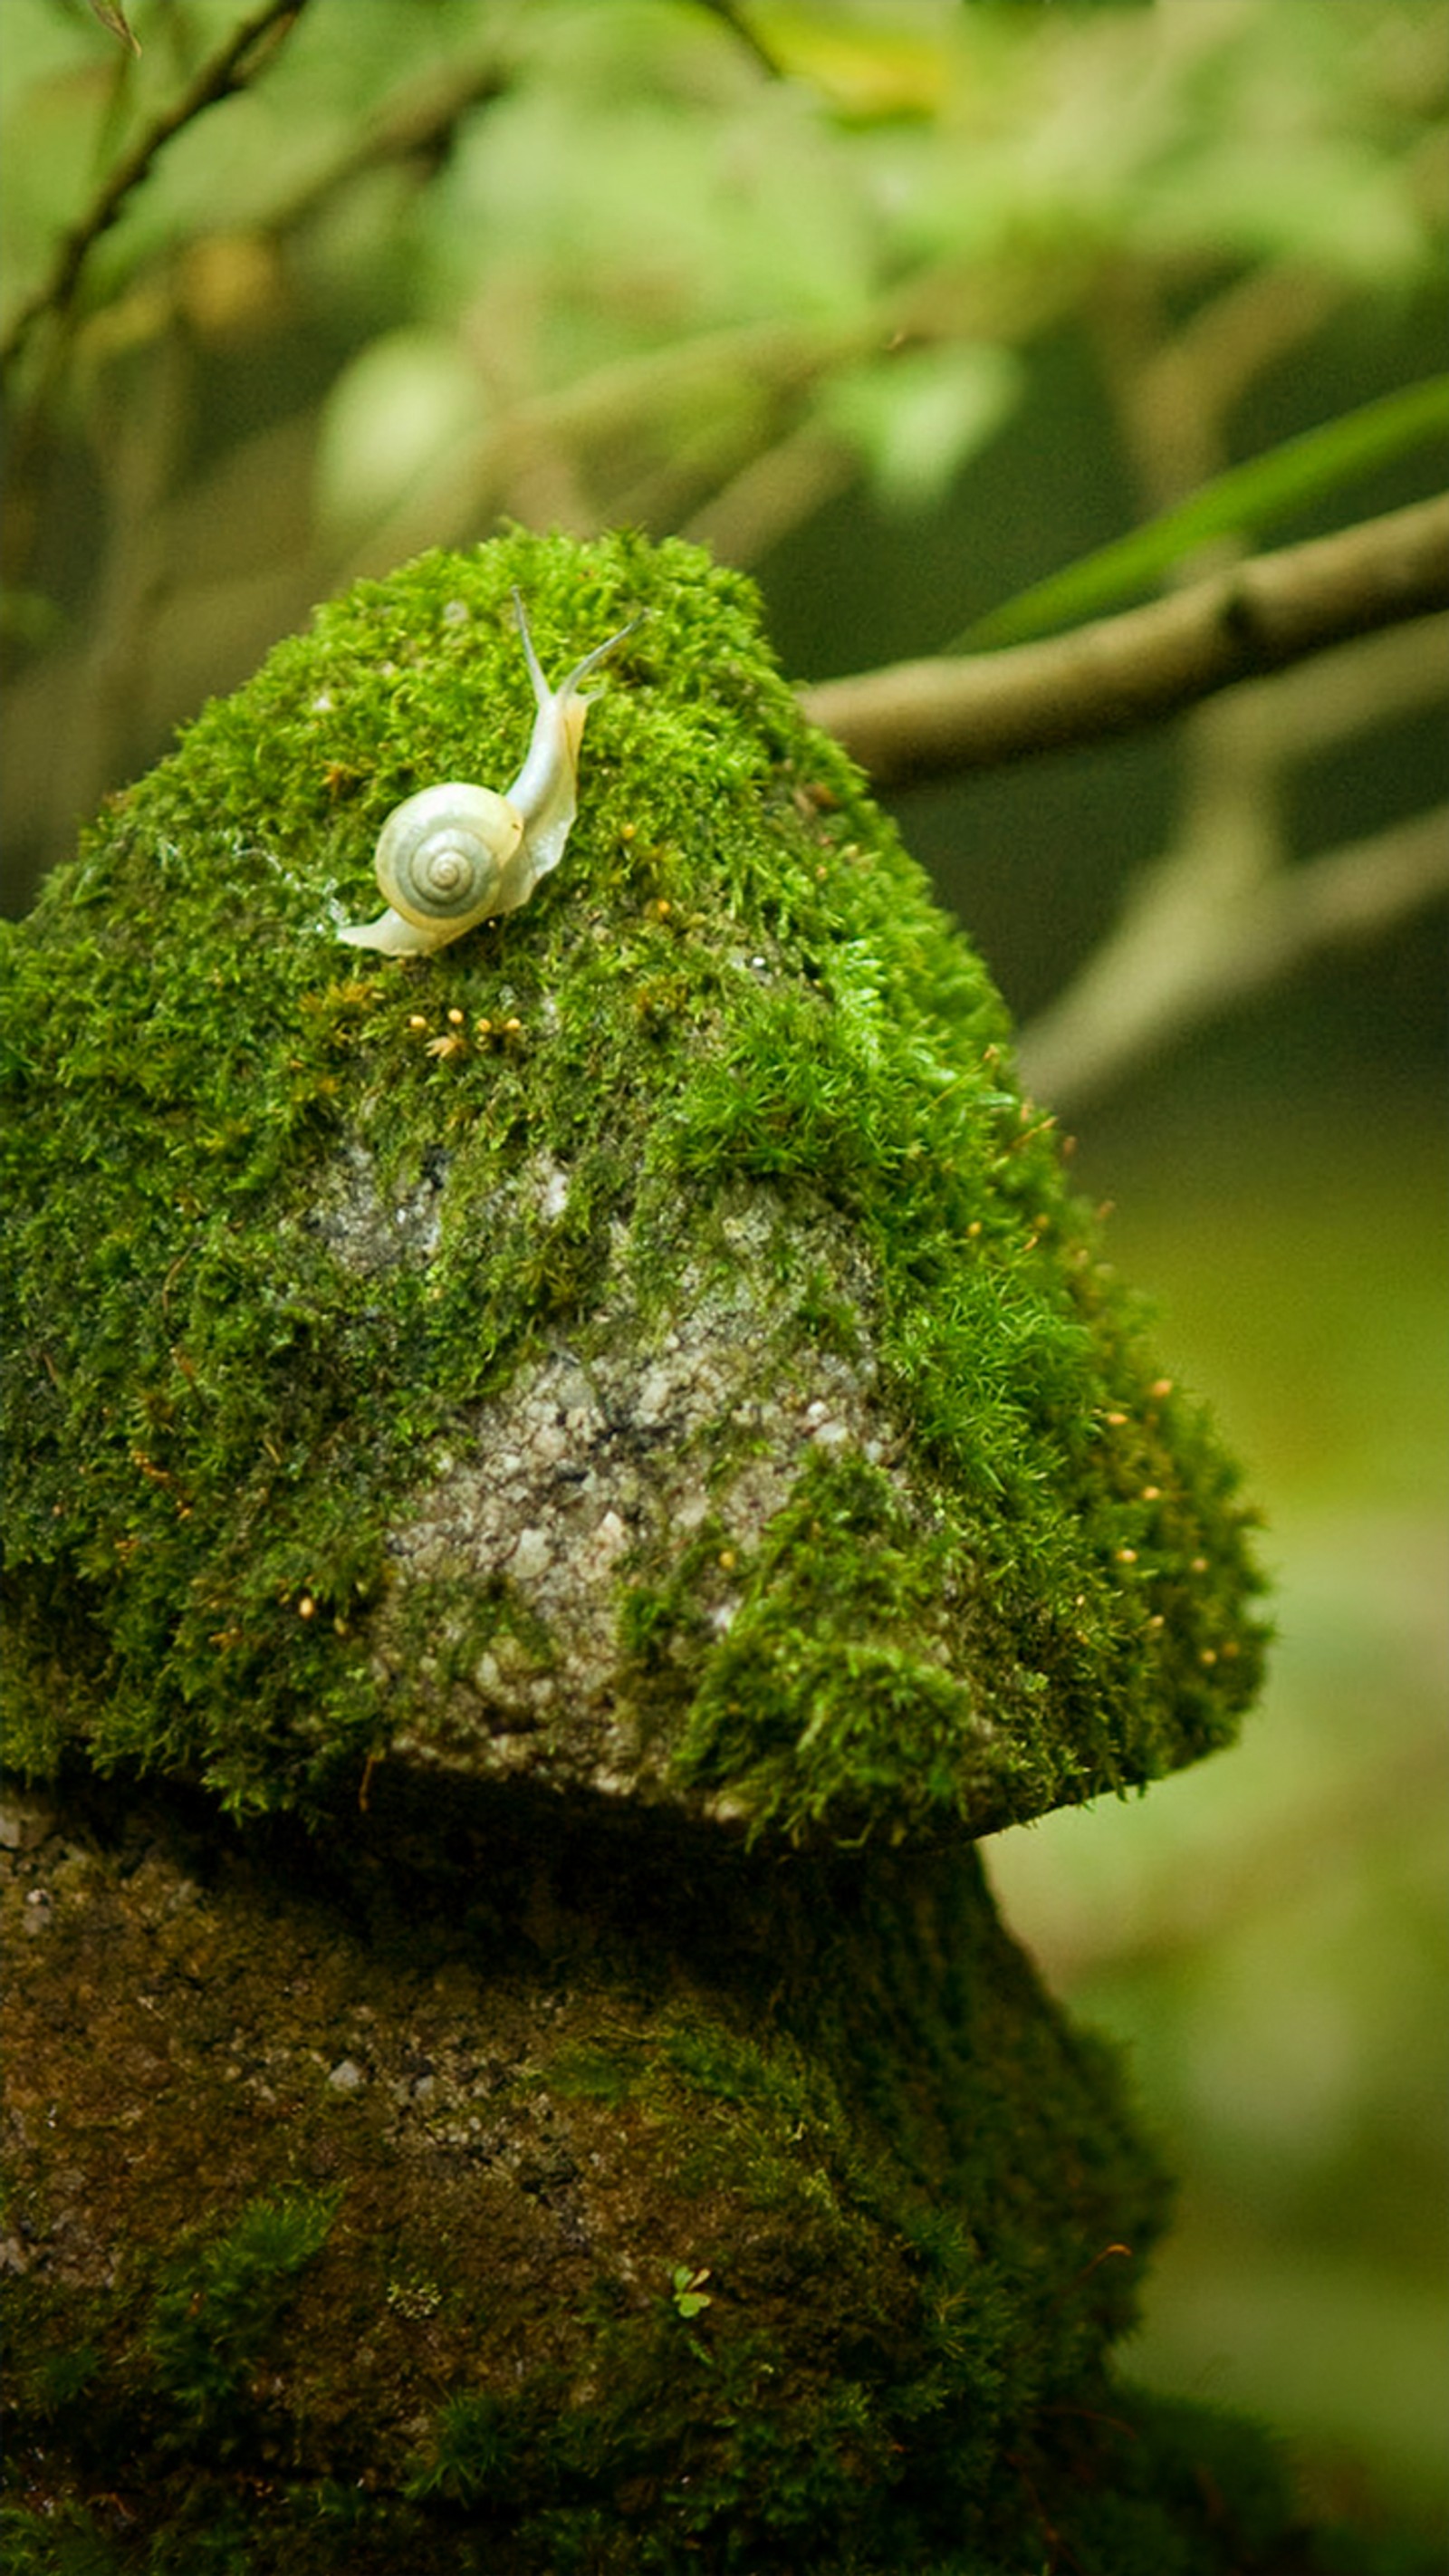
(544, 790)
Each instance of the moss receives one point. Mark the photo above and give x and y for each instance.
(289, 1230)
(219, 2308)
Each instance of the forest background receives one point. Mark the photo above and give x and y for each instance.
(906, 306)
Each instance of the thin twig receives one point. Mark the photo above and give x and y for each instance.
(225, 71)
(732, 16)
(930, 719)
(771, 493)
(1179, 958)
(1356, 687)
(420, 125)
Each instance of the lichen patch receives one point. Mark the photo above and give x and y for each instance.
(369, 1227)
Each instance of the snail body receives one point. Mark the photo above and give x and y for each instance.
(457, 854)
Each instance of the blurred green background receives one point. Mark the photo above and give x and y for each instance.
(903, 305)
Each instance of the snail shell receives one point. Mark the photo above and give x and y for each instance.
(442, 860)
(455, 855)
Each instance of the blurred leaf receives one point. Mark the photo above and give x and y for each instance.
(874, 68)
(1245, 501)
(390, 416)
(29, 619)
(918, 418)
(115, 19)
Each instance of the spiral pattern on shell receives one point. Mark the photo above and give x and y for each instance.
(441, 855)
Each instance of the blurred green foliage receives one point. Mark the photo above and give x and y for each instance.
(436, 261)
(1268, 1934)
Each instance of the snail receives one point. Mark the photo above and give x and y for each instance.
(456, 855)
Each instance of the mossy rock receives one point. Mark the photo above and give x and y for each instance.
(545, 2189)
(649, 1346)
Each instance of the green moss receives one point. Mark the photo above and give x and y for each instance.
(284, 1224)
(219, 2309)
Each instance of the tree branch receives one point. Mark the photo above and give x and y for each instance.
(227, 70)
(929, 719)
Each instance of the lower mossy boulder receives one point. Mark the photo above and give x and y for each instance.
(529, 2193)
